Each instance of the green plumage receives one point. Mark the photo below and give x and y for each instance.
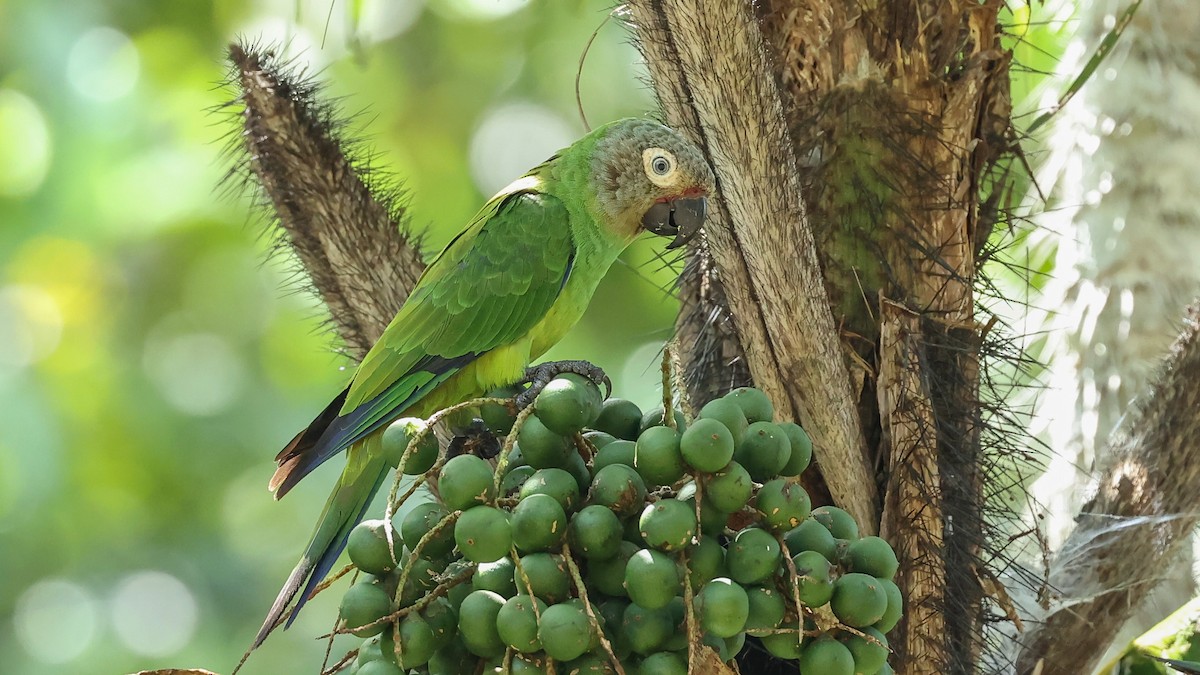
(503, 291)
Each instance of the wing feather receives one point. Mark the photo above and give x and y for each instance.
(491, 284)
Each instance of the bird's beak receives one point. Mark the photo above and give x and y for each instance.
(680, 218)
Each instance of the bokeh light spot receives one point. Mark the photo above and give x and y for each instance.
(30, 325)
(50, 610)
(103, 64)
(481, 10)
(24, 144)
(513, 138)
(198, 373)
(154, 613)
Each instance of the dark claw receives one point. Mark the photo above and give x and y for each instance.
(537, 377)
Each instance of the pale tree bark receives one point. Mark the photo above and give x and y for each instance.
(1147, 505)
(1124, 215)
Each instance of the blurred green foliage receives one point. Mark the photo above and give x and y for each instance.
(155, 353)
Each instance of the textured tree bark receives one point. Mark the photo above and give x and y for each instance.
(898, 109)
(1147, 505)
(1127, 223)
(710, 70)
(912, 512)
(347, 235)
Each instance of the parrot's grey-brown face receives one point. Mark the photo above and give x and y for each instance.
(651, 178)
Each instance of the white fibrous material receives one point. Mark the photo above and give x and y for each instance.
(1124, 213)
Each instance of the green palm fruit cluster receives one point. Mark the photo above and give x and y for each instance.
(602, 524)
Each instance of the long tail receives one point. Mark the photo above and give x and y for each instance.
(364, 473)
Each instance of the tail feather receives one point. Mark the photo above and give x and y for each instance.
(364, 474)
(299, 457)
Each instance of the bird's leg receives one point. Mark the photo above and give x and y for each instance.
(537, 377)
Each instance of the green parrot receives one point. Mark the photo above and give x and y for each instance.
(502, 292)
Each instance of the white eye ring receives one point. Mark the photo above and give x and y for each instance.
(660, 166)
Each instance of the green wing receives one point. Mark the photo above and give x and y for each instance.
(487, 288)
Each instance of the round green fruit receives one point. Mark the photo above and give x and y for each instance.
(541, 447)
(380, 667)
(595, 532)
(498, 576)
(767, 609)
(483, 534)
(364, 604)
(620, 488)
(617, 452)
(827, 657)
(764, 450)
(752, 556)
(786, 646)
(453, 659)
(591, 663)
(654, 418)
(598, 439)
(707, 445)
(517, 622)
(668, 524)
(724, 607)
(395, 441)
(539, 523)
(870, 655)
(547, 576)
(417, 642)
(369, 651)
(754, 404)
(477, 623)
(465, 481)
(895, 606)
(811, 535)
(557, 483)
(838, 522)
(783, 503)
(730, 488)
(568, 403)
(514, 478)
(873, 556)
(657, 457)
(422, 518)
(422, 578)
(706, 561)
(801, 445)
(369, 547)
(442, 620)
(498, 417)
(729, 414)
(608, 576)
(565, 632)
(645, 630)
(663, 663)
(620, 418)
(814, 578)
(651, 579)
(859, 600)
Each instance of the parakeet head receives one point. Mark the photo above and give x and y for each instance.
(648, 177)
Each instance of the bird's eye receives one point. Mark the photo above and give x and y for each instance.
(660, 166)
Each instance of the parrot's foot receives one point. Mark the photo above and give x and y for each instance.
(537, 377)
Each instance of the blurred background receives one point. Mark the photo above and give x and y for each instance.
(155, 353)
